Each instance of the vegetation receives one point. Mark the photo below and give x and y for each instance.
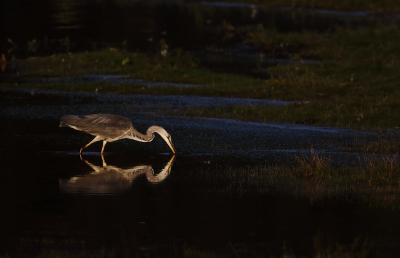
(381, 145)
(324, 247)
(353, 85)
(372, 6)
(375, 180)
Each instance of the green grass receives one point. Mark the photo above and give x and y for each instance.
(177, 67)
(354, 85)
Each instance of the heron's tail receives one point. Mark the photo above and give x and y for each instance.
(69, 121)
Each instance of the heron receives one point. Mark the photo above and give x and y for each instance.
(110, 128)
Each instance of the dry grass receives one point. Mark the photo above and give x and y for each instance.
(314, 166)
(375, 180)
(380, 170)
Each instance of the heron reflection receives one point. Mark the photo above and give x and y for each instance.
(109, 179)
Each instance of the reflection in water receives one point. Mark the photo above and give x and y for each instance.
(111, 179)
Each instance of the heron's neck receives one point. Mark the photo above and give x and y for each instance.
(148, 137)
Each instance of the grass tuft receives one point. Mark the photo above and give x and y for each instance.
(314, 166)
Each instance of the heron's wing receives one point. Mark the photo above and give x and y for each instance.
(105, 125)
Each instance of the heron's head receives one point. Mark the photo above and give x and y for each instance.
(165, 135)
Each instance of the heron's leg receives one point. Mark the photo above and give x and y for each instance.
(104, 145)
(96, 139)
(104, 161)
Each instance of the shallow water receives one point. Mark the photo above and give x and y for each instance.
(140, 200)
(234, 140)
(56, 202)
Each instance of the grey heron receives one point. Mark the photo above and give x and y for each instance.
(110, 128)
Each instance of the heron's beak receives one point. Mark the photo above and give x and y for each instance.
(171, 145)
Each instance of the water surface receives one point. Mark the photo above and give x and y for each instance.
(137, 201)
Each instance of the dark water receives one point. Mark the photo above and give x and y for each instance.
(43, 211)
(139, 200)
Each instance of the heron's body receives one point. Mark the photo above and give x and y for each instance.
(110, 128)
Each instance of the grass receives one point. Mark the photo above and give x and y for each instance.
(333, 99)
(354, 85)
(327, 248)
(375, 45)
(372, 6)
(375, 180)
(176, 67)
(324, 247)
(381, 145)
